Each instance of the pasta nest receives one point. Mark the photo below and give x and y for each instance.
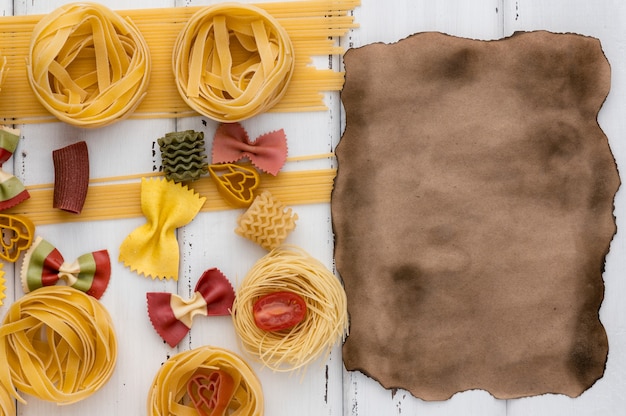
(169, 392)
(57, 344)
(232, 62)
(289, 268)
(87, 65)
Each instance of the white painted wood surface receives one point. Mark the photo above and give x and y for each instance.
(209, 241)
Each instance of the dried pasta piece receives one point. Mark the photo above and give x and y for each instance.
(87, 65)
(182, 155)
(175, 386)
(2, 286)
(152, 249)
(267, 152)
(235, 183)
(172, 316)
(56, 344)
(232, 61)
(44, 265)
(266, 222)
(71, 177)
(12, 190)
(17, 232)
(3, 70)
(290, 268)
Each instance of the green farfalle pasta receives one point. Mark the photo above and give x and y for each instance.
(183, 156)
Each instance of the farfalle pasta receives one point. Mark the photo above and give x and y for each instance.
(12, 190)
(290, 268)
(57, 344)
(205, 381)
(152, 249)
(232, 61)
(266, 222)
(87, 65)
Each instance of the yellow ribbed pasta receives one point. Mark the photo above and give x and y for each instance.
(266, 222)
(87, 65)
(232, 61)
(168, 393)
(326, 322)
(56, 344)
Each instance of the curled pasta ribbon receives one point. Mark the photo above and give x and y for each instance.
(235, 183)
(17, 232)
(56, 344)
(152, 249)
(12, 190)
(172, 316)
(87, 65)
(289, 268)
(71, 177)
(44, 266)
(169, 393)
(232, 61)
(267, 152)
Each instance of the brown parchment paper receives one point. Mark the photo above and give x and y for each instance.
(473, 210)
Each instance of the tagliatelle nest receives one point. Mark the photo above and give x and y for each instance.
(87, 65)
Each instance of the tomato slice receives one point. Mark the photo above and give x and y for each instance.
(278, 310)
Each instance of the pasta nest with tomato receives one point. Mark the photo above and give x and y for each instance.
(289, 269)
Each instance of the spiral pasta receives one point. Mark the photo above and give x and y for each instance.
(87, 65)
(170, 390)
(58, 344)
(232, 61)
(326, 322)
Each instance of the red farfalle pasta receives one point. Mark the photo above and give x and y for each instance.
(267, 152)
(12, 190)
(71, 177)
(172, 316)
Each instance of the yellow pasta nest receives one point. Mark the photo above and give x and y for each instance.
(266, 222)
(170, 393)
(56, 344)
(289, 268)
(87, 65)
(232, 61)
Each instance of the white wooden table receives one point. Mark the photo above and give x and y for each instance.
(125, 148)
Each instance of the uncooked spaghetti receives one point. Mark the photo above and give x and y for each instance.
(289, 268)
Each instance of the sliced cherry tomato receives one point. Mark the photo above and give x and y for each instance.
(278, 310)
